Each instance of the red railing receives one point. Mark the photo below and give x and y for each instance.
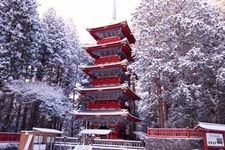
(104, 104)
(109, 40)
(106, 81)
(8, 136)
(111, 59)
(173, 132)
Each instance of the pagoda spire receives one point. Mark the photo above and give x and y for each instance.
(114, 11)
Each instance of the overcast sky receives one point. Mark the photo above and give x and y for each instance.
(90, 13)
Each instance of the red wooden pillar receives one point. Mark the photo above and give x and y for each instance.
(224, 140)
(205, 141)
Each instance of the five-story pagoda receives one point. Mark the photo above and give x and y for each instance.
(110, 102)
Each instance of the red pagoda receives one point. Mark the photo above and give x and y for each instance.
(110, 102)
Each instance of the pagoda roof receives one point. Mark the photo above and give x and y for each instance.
(120, 29)
(123, 49)
(124, 88)
(123, 63)
(92, 70)
(210, 126)
(106, 113)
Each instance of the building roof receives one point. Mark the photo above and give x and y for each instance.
(95, 131)
(101, 66)
(126, 90)
(46, 130)
(105, 113)
(120, 29)
(211, 126)
(122, 46)
(118, 69)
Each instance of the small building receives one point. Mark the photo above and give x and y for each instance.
(206, 136)
(38, 139)
(213, 135)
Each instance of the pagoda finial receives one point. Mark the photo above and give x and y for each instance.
(114, 11)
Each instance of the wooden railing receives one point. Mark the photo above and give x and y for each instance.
(8, 136)
(173, 132)
(105, 104)
(110, 59)
(67, 139)
(122, 143)
(101, 142)
(106, 81)
(109, 40)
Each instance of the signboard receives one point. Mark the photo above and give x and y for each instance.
(215, 139)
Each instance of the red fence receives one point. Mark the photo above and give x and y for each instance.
(106, 81)
(111, 59)
(8, 136)
(173, 132)
(109, 40)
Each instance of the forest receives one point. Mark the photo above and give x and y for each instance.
(181, 43)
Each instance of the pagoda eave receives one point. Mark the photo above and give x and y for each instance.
(88, 69)
(122, 43)
(124, 88)
(124, 28)
(104, 114)
(103, 66)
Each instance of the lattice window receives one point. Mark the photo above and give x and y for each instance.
(106, 120)
(113, 72)
(105, 95)
(108, 95)
(110, 51)
(109, 33)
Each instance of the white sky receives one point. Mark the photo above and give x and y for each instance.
(90, 13)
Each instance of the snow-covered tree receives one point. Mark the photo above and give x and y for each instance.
(54, 46)
(19, 31)
(180, 42)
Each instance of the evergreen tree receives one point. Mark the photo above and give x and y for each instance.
(181, 43)
(55, 46)
(19, 30)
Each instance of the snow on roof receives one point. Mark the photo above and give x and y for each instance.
(211, 126)
(124, 62)
(96, 131)
(106, 25)
(123, 86)
(120, 112)
(125, 41)
(46, 130)
(105, 112)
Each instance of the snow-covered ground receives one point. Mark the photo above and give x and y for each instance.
(9, 145)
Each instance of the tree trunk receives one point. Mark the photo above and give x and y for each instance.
(34, 114)
(42, 121)
(8, 119)
(25, 110)
(18, 118)
(58, 75)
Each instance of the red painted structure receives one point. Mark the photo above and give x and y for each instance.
(213, 135)
(173, 133)
(110, 100)
(210, 135)
(9, 137)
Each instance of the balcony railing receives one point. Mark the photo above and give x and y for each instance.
(109, 40)
(102, 142)
(173, 132)
(110, 59)
(107, 81)
(8, 136)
